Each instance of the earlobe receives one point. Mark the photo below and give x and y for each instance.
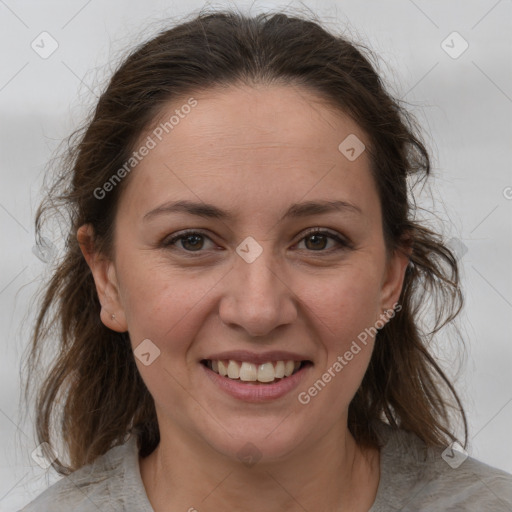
(115, 321)
(105, 279)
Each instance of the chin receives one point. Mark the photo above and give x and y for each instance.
(256, 442)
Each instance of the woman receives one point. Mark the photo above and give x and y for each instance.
(239, 304)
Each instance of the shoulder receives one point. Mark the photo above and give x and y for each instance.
(418, 477)
(100, 485)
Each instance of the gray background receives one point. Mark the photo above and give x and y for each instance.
(463, 103)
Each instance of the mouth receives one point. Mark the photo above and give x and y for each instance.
(266, 373)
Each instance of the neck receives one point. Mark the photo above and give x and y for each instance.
(333, 474)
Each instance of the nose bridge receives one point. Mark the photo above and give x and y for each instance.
(257, 298)
(258, 278)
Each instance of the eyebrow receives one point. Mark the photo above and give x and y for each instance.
(296, 210)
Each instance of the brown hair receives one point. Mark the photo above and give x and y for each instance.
(93, 375)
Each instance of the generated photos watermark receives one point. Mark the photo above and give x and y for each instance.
(150, 143)
(305, 397)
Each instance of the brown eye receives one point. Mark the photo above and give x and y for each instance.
(317, 241)
(192, 242)
(189, 241)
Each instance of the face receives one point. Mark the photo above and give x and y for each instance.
(249, 282)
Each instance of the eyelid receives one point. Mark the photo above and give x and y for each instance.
(176, 237)
(342, 240)
(323, 231)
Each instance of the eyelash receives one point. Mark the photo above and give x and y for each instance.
(345, 244)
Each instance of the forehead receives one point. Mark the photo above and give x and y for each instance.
(286, 118)
(273, 143)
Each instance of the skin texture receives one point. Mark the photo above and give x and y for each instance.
(254, 151)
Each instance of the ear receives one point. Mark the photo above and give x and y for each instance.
(392, 283)
(103, 270)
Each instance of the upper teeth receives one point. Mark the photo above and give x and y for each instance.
(266, 372)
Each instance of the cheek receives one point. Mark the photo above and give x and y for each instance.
(342, 304)
(162, 303)
(343, 310)
(164, 306)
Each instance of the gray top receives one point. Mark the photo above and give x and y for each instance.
(413, 478)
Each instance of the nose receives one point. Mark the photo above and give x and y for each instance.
(257, 297)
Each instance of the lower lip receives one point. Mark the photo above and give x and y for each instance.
(257, 392)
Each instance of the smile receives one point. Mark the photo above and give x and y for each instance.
(244, 371)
